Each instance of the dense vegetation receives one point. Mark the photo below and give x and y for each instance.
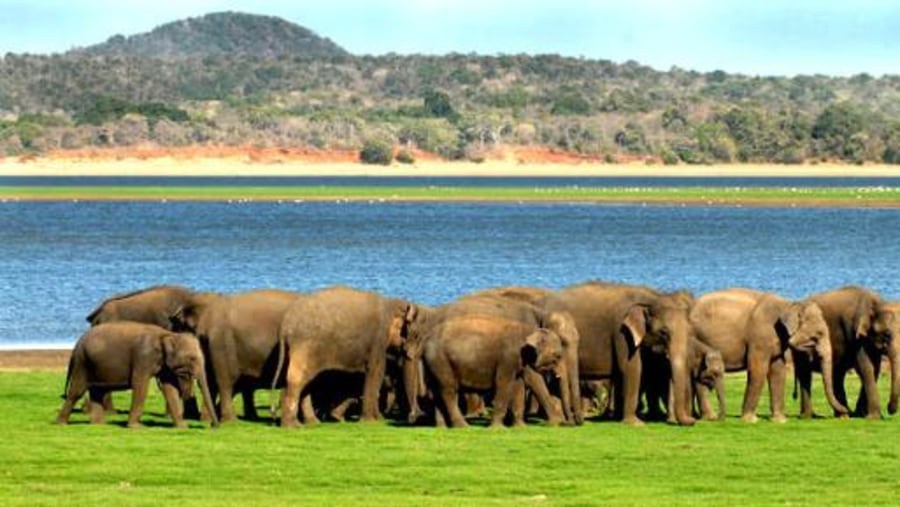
(815, 462)
(252, 88)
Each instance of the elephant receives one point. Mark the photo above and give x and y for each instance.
(152, 305)
(614, 321)
(707, 370)
(239, 334)
(97, 366)
(338, 328)
(492, 345)
(861, 327)
(754, 330)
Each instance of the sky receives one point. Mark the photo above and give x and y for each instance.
(761, 37)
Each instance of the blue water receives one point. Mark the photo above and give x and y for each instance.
(59, 259)
(448, 181)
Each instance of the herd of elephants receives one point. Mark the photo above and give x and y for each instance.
(507, 352)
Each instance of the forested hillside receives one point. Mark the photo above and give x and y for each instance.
(237, 79)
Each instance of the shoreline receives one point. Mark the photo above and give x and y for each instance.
(136, 165)
(37, 358)
(846, 197)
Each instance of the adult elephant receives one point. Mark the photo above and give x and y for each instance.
(614, 321)
(338, 328)
(861, 327)
(493, 345)
(125, 355)
(152, 305)
(754, 330)
(239, 334)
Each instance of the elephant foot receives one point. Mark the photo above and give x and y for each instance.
(750, 418)
(463, 424)
(633, 421)
(779, 418)
(873, 416)
(181, 425)
(290, 423)
(134, 425)
(892, 408)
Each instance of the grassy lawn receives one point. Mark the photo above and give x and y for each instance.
(693, 195)
(817, 462)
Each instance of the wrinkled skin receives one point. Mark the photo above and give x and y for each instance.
(861, 328)
(152, 305)
(342, 329)
(614, 321)
(753, 330)
(493, 345)
(126, 355)
(239, 334)
(571, 342)
(707, 369)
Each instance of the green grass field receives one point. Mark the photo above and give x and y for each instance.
(694, 195)
(815, 462)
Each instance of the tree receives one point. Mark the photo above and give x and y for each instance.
(437, 104)
(376, 152)
(836, 131)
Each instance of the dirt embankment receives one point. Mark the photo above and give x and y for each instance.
(22, 360)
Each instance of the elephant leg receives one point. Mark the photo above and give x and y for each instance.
(226, 400)
(249, 404)
(518, 404)
(535, 382)
(757, 371)
(868, 374)
(777, 373)
(339, 412)
(803, 376)
(505, 388)
(299, 375)
(76, 389)
(630, 385)
(95, 405)
(138, 397)
(372, 388)
(451, 405)
(670, 406)
(840, 392)
(173, 402)
(706, 410)
(108, 404)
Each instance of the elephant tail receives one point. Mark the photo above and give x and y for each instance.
(279, 365)
(69, 374)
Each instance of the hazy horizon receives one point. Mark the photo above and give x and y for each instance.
(765, 38)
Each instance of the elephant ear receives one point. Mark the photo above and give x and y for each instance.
(864, 317)
(168, 346)
(184, 318)
(398, 327)
(529, 350)
(563, 324)
(788, 322)
(634, 326)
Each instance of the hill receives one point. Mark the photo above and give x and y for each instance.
(223, 33)
(230, 80)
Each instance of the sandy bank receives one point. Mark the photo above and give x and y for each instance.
(248, 166)
(34, 359)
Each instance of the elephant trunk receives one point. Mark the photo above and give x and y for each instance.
(894, 358)
(411, 383)
(565, 391)
(680, 384)
(720, 394)
(823, 349)
(207, 399)
(574, 384)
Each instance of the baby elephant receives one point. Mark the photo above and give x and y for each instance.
(126, 355)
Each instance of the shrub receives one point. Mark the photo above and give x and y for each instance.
(376, 152)
(405, 157)
(669, 157)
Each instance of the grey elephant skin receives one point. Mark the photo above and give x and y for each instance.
(152, 305)
(341, 329)
(861, 328)
(613, 321)
(239, 334)
(491, 345)
(707, 371)
(126, 355)
(754, 331)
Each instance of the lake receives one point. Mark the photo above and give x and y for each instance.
(60, 259)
